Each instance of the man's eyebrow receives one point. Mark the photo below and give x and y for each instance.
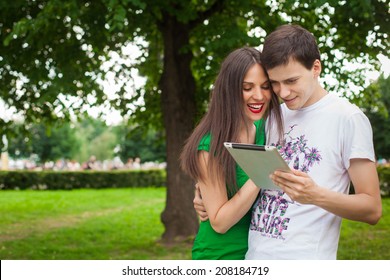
(288, 79)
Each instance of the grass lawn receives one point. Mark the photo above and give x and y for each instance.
(124, 224)
(360, 241)
(84, 224)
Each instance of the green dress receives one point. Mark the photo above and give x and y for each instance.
(232, 245)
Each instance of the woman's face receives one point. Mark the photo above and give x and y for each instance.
(256, 93)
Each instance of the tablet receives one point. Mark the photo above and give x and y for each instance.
(258, 162)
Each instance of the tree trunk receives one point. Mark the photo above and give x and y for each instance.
(178, 106)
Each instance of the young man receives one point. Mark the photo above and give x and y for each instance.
(327, 143)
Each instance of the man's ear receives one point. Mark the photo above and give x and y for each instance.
(317, 68)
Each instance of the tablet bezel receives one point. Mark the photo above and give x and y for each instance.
(258, 162)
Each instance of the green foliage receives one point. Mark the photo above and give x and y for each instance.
(378, 112)
(52, 51)
(67, 180)
(123, 140)
(45, 54)
(58, 142)
(96, 138)
(53, 180)
(346, 31)
(85, 138)
(384, 180)
(143, 142)
(103, 146)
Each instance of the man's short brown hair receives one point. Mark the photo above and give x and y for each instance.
(289, 41)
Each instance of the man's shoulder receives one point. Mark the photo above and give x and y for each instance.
(341, 106)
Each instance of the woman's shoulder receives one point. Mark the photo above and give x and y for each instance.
(260, 132)
(259, 123)
(204, 143)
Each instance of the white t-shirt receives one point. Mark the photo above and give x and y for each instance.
(320, 140)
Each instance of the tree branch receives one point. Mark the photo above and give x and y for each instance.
(215, 8)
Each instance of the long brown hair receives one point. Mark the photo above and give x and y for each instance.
(224, 119)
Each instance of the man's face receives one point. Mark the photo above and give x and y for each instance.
(297, 86)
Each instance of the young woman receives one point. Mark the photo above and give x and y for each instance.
(240, 101)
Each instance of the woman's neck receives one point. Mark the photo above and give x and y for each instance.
(248, 133)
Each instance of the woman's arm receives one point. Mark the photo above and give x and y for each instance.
(223, 213)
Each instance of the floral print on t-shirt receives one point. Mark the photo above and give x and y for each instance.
(296, 149)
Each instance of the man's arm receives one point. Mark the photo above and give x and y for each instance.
(364, 206)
